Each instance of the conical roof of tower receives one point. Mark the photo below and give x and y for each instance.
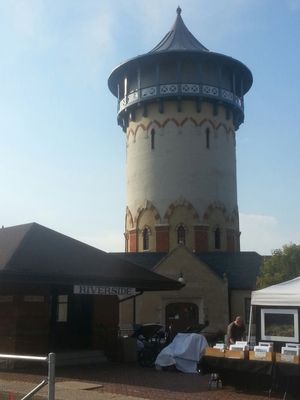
(179, 38)
(178, 42)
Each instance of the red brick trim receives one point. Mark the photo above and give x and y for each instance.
(162, 238)
(201, 238)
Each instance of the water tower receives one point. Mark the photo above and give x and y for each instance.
(180, 106)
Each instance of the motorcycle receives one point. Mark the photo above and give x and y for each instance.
(151, 339)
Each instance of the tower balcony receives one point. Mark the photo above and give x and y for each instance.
(180, 91)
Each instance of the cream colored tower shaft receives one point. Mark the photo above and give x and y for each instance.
(192, 159)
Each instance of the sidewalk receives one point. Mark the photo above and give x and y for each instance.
(118, 382)
(68, 390)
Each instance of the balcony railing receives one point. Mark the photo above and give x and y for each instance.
(181, 89)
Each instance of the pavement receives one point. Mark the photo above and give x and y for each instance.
(118, 381)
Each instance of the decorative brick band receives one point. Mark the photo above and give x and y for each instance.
(181, 203)
(178, 123)
(148, 206)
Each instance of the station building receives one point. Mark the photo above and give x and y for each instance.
(58, 294)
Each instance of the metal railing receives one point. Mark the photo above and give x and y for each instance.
(50, 380)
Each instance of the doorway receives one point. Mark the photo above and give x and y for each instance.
(71, 327)
(181, 316)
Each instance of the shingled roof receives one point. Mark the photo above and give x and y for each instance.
(37, 254)
(179, 38)
(241, 269)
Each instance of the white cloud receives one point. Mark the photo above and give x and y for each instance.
(260, 233)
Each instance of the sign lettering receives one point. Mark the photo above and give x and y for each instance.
(104, 290)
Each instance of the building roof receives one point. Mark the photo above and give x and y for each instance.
(36, 254)
(179, 38)
(146, 260)
(241, 269)
(178, 43)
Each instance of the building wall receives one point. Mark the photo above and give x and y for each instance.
(32, 324)
(8, 317)
(238, 303)
(203, 288)
(28, 327)
(24, 314)
(181, 169)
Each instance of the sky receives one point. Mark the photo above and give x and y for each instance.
(62, 160)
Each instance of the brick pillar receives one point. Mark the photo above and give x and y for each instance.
(201, 238)
(133, 241)
(162, 238)
(230, 238)
(233, 240)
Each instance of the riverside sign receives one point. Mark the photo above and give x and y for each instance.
(104, 290)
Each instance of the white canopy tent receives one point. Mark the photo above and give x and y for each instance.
(286, 294)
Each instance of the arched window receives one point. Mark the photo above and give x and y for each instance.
(218, 239)
(181, 234)
(152, 139)
(146, 234)
(207, 138)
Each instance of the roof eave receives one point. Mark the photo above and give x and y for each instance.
(70, 280)
(122, 68)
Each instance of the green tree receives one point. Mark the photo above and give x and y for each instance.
(283, 265)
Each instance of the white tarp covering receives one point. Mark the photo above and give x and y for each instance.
(283, 294)
(184, 352)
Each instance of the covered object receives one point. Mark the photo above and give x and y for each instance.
(184, 352)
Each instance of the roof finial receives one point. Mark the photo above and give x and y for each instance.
(178, 10)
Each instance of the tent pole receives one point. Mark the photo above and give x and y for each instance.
(250, 322)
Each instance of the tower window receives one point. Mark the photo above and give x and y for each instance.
(181, 234)
(218, 239)
(152, 139)
(146, 234)
(207, 132)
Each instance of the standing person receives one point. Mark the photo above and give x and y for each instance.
(235, 331)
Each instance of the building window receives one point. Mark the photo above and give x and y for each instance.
(152, 139)
(218, 239)
(146, 234)
(207, 132)
(181, 234)
(62, 308)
